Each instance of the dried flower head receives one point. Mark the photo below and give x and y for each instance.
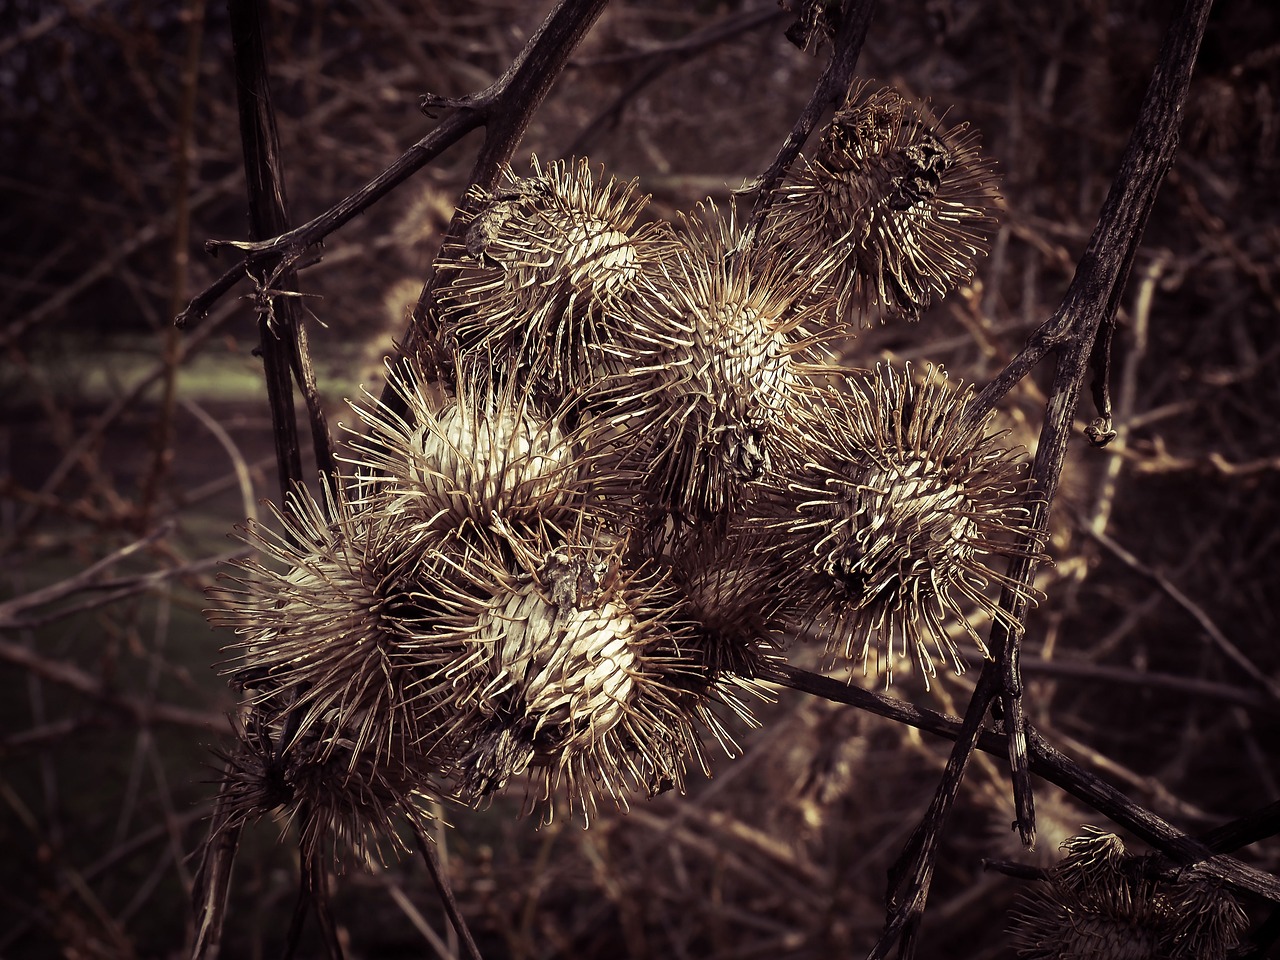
(550, 270)
(727, 587)
(337, 703)
(899, 206)
(709, 375)
(339, 800)
(1101, 903)
(889, 524)
(567, 672)
(460, 458)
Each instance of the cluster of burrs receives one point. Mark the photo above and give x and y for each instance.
(1100, 902)
(620, 472)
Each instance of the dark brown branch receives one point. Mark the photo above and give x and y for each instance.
(1070, 334)
(427, 849)
(448, 132)
(507, 108)
(833, 86)
(268, 216)
(1053, 766)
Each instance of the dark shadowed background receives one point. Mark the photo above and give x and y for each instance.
(1149, 661)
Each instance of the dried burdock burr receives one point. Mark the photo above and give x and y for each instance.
(341, 802)
(570, 673)
(889, 525)
(898, 207)
(337, 705)
(458, 458)
(1101, 903)
(709, 375)
(551, 268)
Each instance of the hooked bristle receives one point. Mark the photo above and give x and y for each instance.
(1101, 903)
(552, 267)
(896, 208)
(888, 525)
(710, 375)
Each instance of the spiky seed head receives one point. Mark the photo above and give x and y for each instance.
(460, 458)
(551, 269)
(337, 802)
(321, 612)
(899, 207)
(568, 673)
(889, 525)
(709, 374)
(337, 702)
(1101, 903)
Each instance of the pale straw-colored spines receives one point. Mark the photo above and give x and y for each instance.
(335, 701)
(551, 270)
(708, 376)
(890, 525)
(566, 674)
(896, 208)
(459, 458)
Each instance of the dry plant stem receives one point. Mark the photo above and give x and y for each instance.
(213, 876)
(504, 109)
(427, 849)
(1050, 764)
(1070, 334)
(267, 217)
(833, 85)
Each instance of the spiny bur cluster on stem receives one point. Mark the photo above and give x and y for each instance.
(568, 552)
(1100, 902)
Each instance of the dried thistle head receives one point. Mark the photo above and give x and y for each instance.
(888, 527)
(1101, 903)
(708, 376)
(458, 458)
(551, 268)
(320, 613)
(898, 208)
(727, 589)
(568, 673)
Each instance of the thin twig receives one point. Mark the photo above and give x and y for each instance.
(1053, 766)
(1070, 333)
(832, 88)
(426, 848)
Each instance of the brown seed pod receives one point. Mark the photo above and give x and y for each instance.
(551, 269)
(337, 704)
(1101, 903)
(709, 376)
(727, 584)
(322, 620)
(456, 460)
(339, 800)
(897, 208)
(887, 527)
(569, 673)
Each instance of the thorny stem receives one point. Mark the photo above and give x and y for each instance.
(1069, 336)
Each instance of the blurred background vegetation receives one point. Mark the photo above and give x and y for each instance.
(1153, 659)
